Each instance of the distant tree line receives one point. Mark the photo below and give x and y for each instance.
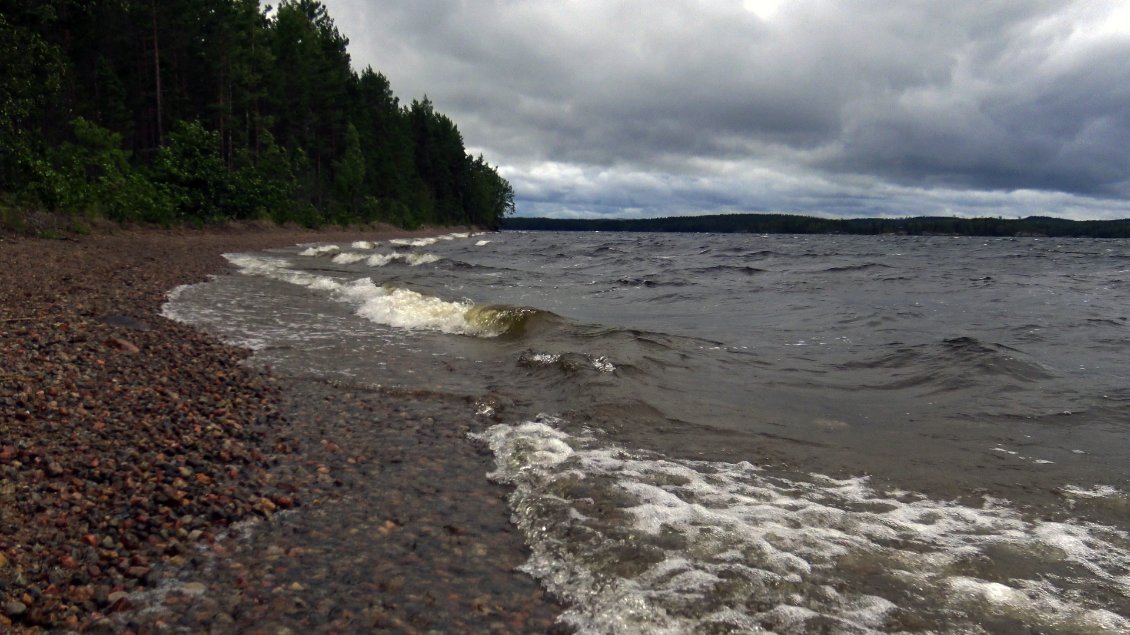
(796, 224)
(173, 111)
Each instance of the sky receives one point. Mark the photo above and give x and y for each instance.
(836, 108)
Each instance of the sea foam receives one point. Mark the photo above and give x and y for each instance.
(639, 543)
(396, 307)
(318, 250)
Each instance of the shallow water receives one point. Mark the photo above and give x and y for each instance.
(723, 433)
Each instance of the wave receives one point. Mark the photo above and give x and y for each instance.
(667, 280)
(412, 259)
(414, 242)
(400, 307)
(509, 321)
(951, 364)
(568, 363)
(318, 250)
(415, 260)
(431, 240)
(740, 269)
(859, 267)
(637, 282)
(638, 543)
(346, 258)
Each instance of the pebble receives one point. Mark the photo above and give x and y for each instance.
(139, 460)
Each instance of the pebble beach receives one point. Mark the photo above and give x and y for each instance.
(152, 481)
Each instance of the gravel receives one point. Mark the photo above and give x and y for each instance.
(152, 481)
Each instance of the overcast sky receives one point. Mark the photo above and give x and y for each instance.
(602, 108)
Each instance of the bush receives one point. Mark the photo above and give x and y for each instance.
(191, 168)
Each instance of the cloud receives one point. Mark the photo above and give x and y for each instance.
(815, 106)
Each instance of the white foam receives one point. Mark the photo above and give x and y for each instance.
(414, 242)
(257, 265)
(638, 543)
(1098, 491)
(603, 365)
(362, 244)
(401, 308)
(347, 257)
(415, 260)
(318, 250)
(404, 308)
(1031, 598)
(482, 242)
(543, 359)
(380, 260)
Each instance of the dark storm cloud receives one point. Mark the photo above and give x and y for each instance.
(839, 107)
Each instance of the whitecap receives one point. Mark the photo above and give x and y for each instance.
(347, 257)
(413, 242)
(397, 307)
(319, 250)
(415, 260)
(639, 543)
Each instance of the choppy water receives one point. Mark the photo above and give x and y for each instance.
(735, 433)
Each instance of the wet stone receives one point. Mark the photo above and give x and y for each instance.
(126, 321)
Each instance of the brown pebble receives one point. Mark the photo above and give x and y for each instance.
(123, 345)
(137, 571)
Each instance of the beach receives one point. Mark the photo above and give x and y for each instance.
(152, 481)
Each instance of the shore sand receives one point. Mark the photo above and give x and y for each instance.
(151, 481)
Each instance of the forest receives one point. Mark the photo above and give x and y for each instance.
(178, 112)
(797, 224)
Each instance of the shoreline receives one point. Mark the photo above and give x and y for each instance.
(130, 445)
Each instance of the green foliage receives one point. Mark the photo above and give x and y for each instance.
(194, 111)
(29, 82)
(350, 170)
(191, 167)
(91, 176)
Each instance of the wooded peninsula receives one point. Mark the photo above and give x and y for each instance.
(198, 111)
(1040, 226)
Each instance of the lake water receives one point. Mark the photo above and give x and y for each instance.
(737, 433)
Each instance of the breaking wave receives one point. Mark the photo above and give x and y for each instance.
(399, 307)
(638, 543)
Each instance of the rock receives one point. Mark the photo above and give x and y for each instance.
(137, 571)
(123, 345)
(125, 321)
(15, 608)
